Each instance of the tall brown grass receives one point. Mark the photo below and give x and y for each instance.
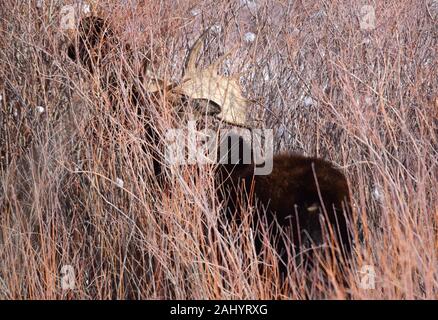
(365, 99)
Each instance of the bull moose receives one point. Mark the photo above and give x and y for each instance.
(303, 202)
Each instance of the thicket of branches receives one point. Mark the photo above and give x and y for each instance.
(76, 187)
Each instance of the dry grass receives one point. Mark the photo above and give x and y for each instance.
(364, 99)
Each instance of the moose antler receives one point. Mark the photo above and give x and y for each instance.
(206, 84)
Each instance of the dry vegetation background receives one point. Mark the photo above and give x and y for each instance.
(76, 187)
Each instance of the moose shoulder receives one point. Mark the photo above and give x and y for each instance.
(304, 202)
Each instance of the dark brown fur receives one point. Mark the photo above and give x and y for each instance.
(296, 184)
(304, 202)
